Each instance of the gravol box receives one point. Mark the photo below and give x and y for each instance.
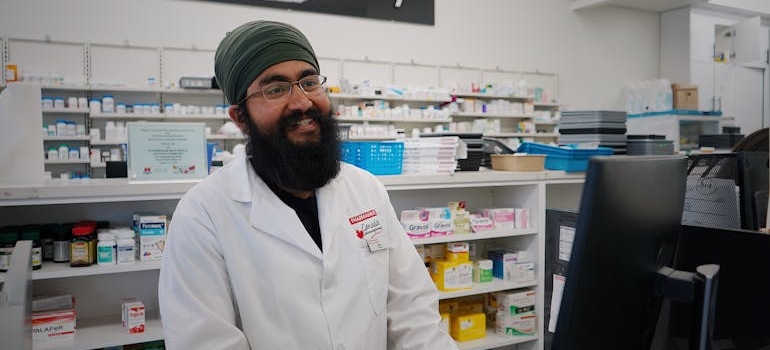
(151, 232)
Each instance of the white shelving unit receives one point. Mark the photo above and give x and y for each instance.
(99, 289)
(684, 130)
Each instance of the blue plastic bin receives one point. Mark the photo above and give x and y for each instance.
(378, 158)
(567, 158)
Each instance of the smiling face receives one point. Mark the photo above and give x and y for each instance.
(297, 105)
(293, 141)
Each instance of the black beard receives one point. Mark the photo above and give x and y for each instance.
(303, 167)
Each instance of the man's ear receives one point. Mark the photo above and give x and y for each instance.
(238, 116)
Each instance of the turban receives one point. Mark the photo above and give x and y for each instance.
(251, 48)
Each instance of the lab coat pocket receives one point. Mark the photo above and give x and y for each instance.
(375, 265)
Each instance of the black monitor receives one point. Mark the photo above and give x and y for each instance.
(743, 305)
(626, 230)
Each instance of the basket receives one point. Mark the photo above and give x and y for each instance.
(378, 158)
(512, 162)
(567, 158)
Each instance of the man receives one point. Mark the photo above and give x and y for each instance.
(285, 247)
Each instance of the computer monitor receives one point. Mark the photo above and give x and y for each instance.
(743, 305)
(626, 230)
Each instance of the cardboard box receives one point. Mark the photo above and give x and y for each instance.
(685, 96)
(513, 162)
(53, 325)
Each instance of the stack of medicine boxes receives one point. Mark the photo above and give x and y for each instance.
(597, 128)
(466, 321)
(514, 312)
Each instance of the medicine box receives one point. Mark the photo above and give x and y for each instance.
(515, 313)
(450, 276)
(133, 314)
(53, 325)
(468, 326)
(151, 232)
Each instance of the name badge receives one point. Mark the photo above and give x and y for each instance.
(368, 229)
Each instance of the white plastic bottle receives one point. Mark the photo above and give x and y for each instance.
(125, 246)
(110, 132)
(108, 104)
(105, 249)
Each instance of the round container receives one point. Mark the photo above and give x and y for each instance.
(32, 233)
(108, 104)
(82, 103)
(61, 244)
(125, 246)
(58, 103)
(95, 106)
(8, 237)
(72, 102)
(74, 154)
(47, 103)
(53, 153)
(64, 152)
(61, 127)
(81, 246)
(47, 233)
(105, 249)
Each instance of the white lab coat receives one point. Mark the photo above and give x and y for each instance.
(240, 271)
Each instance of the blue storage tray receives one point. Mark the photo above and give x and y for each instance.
(378, 158)
(567, 158)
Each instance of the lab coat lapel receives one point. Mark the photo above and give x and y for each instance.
(331, 216)
(268, 214)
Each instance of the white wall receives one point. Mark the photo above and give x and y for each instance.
(595, 52)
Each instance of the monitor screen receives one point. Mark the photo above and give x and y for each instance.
(743, 294)
(626, 229)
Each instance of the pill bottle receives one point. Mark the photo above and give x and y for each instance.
(32, 233)
(74, 154)
(72, 102)
(110, 131)
(72, 128)
(82, 103)
(61, 127)
(80, 129)
(64, 152)
(120, 108)
(8, 237)
(47, 103)
(95, 106)
(126, 245)
(58, 103)
(81, 246)
(108, 104)
(105, 249)
(47, 233)
(61, 244)
(53, 153)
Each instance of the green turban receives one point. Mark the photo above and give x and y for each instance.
(251, 48)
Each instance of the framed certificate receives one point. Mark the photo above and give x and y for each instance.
(159, 151)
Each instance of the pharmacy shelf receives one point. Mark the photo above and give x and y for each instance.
(546, 122)
(62, 270)
(523, 134)
(116, 88)
(495, 285)
(426, 99)
(127, 116)
(65, 87)
(475, 236)
(107, 142)
(181, 91)
(67, 138)
(66, 110)
(104, 332)
(68, 161)
(491, 115)
(494, 340)
(490, 96)
(121, 189)
(546, 105)
(196, 116)
(393, 120)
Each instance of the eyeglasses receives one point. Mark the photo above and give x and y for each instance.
(311, 84)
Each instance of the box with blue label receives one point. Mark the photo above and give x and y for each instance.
(151, 232)
(568, 158)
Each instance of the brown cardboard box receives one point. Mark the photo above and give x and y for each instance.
(685, 96)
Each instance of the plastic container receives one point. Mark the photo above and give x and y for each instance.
(32, 233)
(61, 245)
(105, 249)
(108, 104)
(64, 152)
(95, 106)
(81, 246)
(378, 158)
(125, 246)
(8, 237)
(567, 158)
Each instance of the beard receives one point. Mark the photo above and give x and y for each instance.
(303, 166)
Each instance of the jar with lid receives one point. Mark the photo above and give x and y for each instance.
(47, 233)
(108, 104)
(125, 246)
(64, 152)
(8, 237)
(81, 246)
(61, 243)
(105, 249)
(32, 233)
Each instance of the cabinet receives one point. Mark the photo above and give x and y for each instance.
(684, 130)
(99, 289)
